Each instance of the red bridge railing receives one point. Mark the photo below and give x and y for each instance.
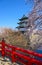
(18, 54)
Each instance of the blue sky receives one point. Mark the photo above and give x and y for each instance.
(12, 10)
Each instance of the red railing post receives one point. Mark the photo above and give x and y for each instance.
(13, 54)
(3, 48)
(29, 63)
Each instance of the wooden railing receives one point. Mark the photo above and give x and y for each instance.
(26, 57)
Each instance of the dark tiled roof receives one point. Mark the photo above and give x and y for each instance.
(23, 18)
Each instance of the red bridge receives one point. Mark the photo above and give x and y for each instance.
(18, 54)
